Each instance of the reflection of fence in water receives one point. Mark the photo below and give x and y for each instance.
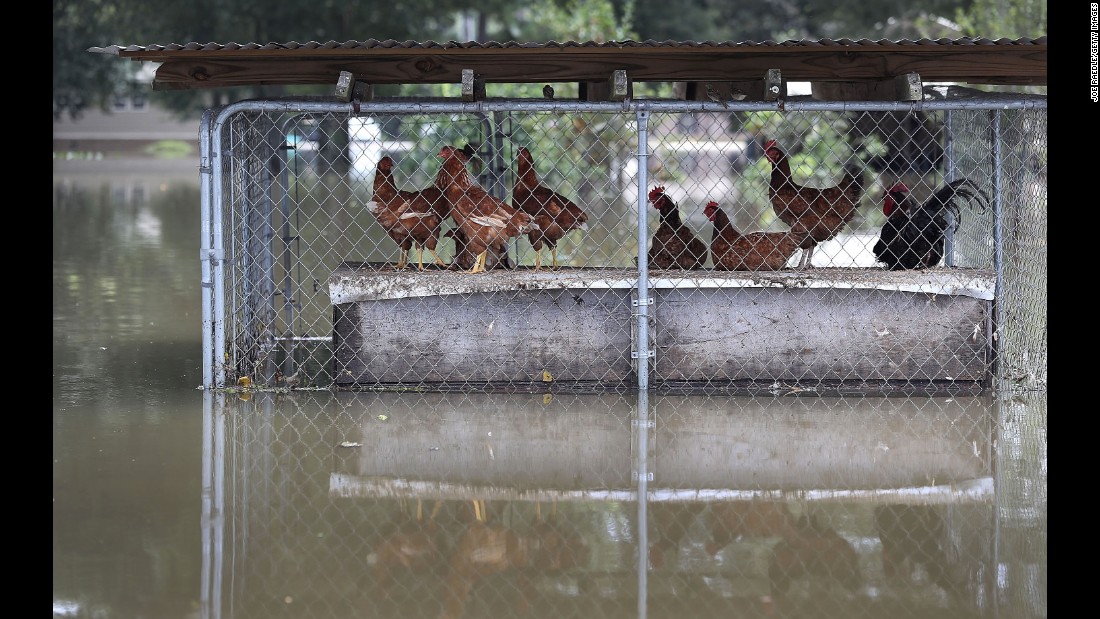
(322, 483)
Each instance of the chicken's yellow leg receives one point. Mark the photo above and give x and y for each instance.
(438, 260)
(403, 260)
(538, 259)
(479, 264)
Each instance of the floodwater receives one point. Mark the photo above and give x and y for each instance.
(173, 502)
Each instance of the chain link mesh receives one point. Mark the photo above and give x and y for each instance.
(425, 441)
(325, 504)
(313, 285)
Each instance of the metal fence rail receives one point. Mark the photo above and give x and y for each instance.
(301, 288)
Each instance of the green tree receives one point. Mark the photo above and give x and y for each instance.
(995, 19)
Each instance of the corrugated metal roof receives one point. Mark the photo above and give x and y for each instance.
(146, 51)
(208, 65)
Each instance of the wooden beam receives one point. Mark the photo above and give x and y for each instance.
(978, 64)
(901, 88)
(616, 88)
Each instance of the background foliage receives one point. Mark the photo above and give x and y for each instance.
(83, 79)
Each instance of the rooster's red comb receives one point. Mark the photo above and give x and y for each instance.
(712, 204)
(769, 144)
(656, 192)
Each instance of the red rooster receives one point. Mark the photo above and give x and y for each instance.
(756, 251)
(913, 235)
(486, 221)
(820, 212)
(555, 214)
(674, 245)
(409, 217)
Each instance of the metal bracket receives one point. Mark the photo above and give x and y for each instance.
(637, 423)
(908, 87)
(645, 301)
(347, 88)
(648, 475)
(634, 354)
(473, 86)
(773, 84)
(619, 85)
(344, 85)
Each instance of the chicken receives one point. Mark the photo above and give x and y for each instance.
(820, 212)
(814, 551)
(915, 535)
(409, 217)
(729, 520)
(674, 245)
(415, 544)
(555, 214)
(756, 251)
(487, 548)
(668, 524)
(464, 259)
(487, 222)
(913, 235)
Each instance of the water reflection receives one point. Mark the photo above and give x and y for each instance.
(460, 505)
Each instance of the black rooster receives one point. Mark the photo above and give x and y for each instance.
(913, 235)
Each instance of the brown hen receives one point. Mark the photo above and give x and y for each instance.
(756, 251)
(555, 214)
(820, 212)
(487, 222)
(674, 245)
(409, 217)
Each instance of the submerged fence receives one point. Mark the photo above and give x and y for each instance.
(302, 290)
(370, 464)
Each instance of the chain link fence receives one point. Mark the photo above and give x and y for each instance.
(589, 429)
(331, 504)
(310, 293)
